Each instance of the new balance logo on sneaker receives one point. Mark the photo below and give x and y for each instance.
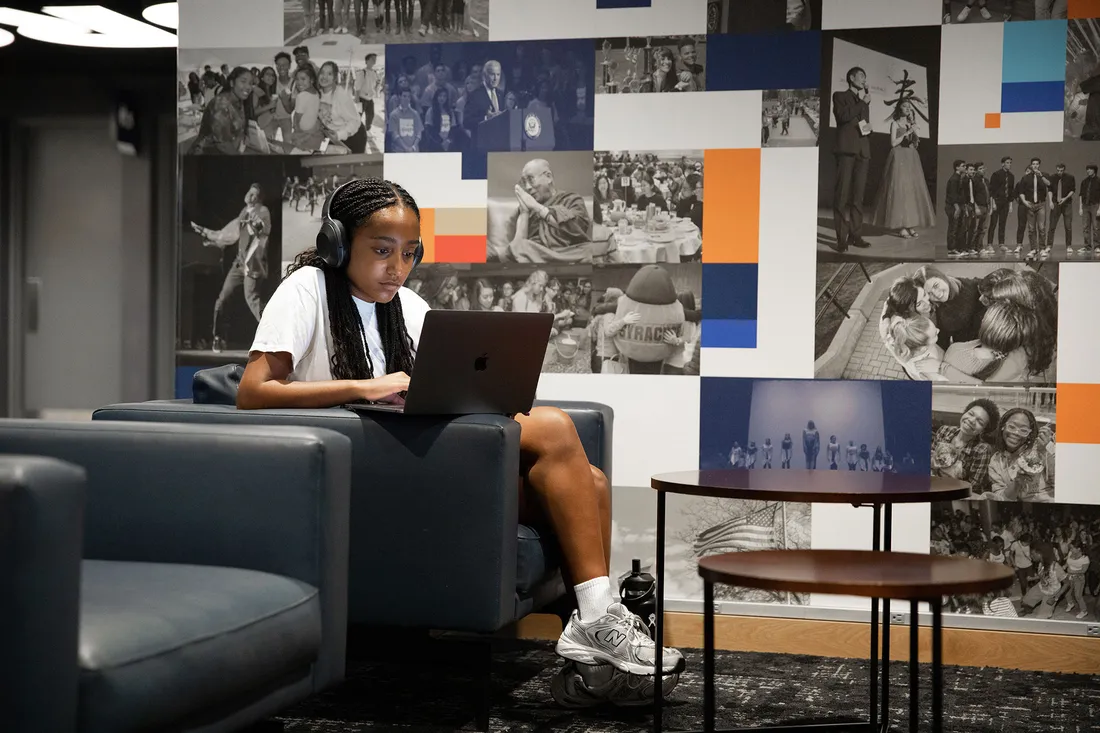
(614, 637)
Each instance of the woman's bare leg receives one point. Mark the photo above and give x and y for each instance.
(561, 487)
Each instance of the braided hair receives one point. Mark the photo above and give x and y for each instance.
(350, 359)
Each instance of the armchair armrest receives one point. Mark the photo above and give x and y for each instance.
(41, 522)
(434, 510)
(262, 498)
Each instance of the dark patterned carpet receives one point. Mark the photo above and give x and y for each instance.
(752, 689)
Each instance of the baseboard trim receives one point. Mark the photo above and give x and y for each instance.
(964, 647)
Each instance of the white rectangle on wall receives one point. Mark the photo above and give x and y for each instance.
(787, 273)
(1077, 464)
(435, 180)
(656, 419)
(230, 23)
(525, 20)
(837, 14)
(1078, 332)
(689, 121)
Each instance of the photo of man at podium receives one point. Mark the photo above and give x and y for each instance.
(505, 97)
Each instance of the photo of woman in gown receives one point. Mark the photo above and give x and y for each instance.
(904, 203)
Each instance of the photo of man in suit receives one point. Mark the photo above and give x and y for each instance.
(485, 102)
(851, 110)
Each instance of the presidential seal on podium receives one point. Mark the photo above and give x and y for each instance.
(532, 126)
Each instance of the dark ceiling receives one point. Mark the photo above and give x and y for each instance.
(30, 57)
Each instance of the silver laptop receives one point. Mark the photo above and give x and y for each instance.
(471, 362)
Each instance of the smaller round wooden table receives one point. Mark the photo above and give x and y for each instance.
(901, 575)
(880, 491)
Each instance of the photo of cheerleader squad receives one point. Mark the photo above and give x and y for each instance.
(1001, 440)
(606, 320)
(1054, 551)
(281, 101)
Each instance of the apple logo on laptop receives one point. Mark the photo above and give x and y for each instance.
(481, 363)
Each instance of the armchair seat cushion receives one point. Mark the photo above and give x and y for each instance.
(537, 559)
(160, 643)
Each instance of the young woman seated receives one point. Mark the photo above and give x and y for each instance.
(331, 335)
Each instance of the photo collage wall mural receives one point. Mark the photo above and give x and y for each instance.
(844, 235)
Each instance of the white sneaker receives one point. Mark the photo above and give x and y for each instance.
(985, 13)
(577, 686)
(1082, 614)
(964, 14)
(618, 638)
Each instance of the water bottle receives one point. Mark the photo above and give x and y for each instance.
(638, 592)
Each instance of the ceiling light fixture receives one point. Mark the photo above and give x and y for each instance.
(89, 26)
(165, 14)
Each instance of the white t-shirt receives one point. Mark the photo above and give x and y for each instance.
(295, 320)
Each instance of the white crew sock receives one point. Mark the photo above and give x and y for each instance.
(593, 598)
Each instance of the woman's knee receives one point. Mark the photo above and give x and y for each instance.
(603, 488)
(548, 429)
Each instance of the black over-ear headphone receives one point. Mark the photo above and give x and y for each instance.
(332, 239)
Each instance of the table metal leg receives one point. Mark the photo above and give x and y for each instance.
(659, 626)
(914, 668)
(887, 541)
(937, 665)
(708, 657)
(876, 517)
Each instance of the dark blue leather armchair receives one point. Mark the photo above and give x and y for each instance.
(202, 568)
(435, 537)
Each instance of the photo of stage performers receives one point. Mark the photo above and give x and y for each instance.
(763, 16)
(1053, 549)
(1082, 79)
(385, 21)
(454, 97)
(649, 65)
(1000, 440)
(648, 207)
(307, 182)
(823, 425)
(231, 250)
(1001, 11)
(790, 118)
(540, 209)
(879, 120)
(296, 100)
(953, 322)
(1019, 202)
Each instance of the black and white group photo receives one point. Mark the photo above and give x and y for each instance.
(297, 100)
(1000, 440)
(528, 95)
(1017, 203)
(790, 118)
(1052, 549)
(540, 208)
(1082, 79)
(763, 16)
(879, 118)
(653, 64)
(231, 242)
(954, 322)
(307, 182)
(386, 21)
(825, 425)
(696, 527)
(648, 207)
(1002, 11)
(607, 320)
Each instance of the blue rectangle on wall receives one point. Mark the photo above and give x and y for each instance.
(1033, 96)
(764, 61)
(612, 4)
(730, 292)
(728, 334)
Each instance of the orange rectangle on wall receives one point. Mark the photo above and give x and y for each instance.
(460, 248)
(1084, 9)
(427, 234)
(731, 206)
(1077, 417)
